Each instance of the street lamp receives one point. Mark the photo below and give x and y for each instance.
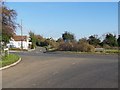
(20, 26)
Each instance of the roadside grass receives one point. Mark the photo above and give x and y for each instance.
(105, 51)
(112, 51)
(109, 51)
(52, 49)
(11, 58)
(17, 49)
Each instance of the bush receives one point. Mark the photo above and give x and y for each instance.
(44, 43)
(90, 48)
(106, 46)
(85, 47)
(73, 46)
(66, 46)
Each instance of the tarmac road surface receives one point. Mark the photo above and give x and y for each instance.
(60, 70)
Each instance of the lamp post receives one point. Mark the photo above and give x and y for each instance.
(21, 36)
(20, 26)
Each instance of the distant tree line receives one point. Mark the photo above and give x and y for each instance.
(68, 42)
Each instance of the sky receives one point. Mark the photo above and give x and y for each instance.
(52, 19)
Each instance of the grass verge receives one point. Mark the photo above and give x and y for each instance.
(9, 59)
(105, 52)
(112, 51)
(17, 49)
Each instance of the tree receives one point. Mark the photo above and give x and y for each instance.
(51, 43)
(94, 40)
(118, 40)
(59, 40)
(110, 40)
(32, 39)
(8, 23)
(39, 39)
(67, 36)
(83, 40)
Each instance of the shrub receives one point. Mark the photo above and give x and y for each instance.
(82, 46)
(73, 46)
(44, 43)
(66, 46)
(85, 47)
(90, 48)
(106, 46)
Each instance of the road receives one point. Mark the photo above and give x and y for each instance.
(61, 70)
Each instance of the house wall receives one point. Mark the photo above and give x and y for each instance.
(17, 44)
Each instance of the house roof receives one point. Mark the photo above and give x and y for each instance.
(20, 38)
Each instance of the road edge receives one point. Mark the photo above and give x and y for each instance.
(13, 64)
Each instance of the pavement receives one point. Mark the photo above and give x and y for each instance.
(62, 70)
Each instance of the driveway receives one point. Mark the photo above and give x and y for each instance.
(60, 70)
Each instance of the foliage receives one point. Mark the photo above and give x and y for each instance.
(74, 46)
(85, 47)
(106, 46)
(60, 40)
(94, 40)
(112, 51)
(32, 39)
(83, 40)
(67, 36)
(68, 42)
(50, 43)
(118, 40)
(39, 39)
(65, 46)
(9, 59)
(44, 43)
(8, 23)
(110, 40)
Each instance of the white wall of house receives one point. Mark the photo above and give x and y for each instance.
(17, 44)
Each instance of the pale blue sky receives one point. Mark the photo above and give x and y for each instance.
(81, 18)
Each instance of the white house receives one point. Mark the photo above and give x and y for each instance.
(19, 42)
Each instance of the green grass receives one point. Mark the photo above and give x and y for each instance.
(112, 51)
(9, 59)
(109, 51)
(17, 49)
(52, 49)
(78, 52)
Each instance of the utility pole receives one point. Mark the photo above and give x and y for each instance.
(21, 36)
